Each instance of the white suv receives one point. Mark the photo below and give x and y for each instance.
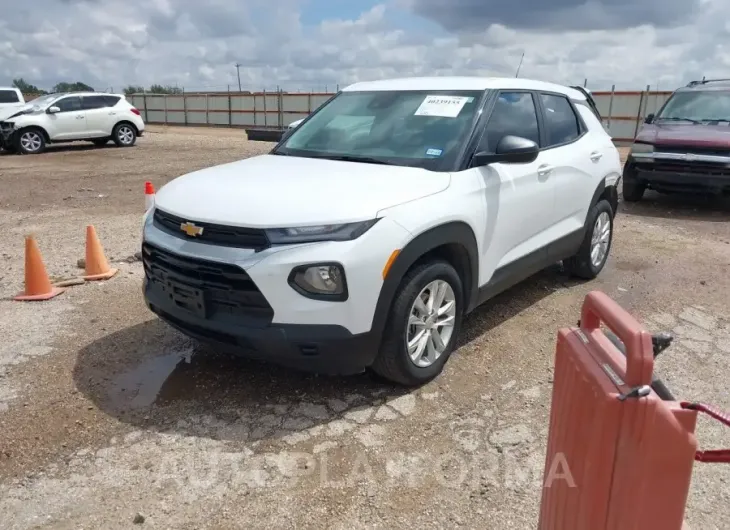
(67, 117)
(369, 232)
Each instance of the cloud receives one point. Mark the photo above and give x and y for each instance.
(460, 15)
(192, 44)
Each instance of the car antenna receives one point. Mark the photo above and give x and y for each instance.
(517, 74)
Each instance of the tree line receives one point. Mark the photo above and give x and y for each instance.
(78, 86)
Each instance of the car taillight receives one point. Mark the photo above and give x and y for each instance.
(135, 111)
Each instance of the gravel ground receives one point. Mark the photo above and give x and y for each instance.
(109, 418)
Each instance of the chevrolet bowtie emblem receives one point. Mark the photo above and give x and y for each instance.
(191, 229)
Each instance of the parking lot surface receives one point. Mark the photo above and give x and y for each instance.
(110, 418)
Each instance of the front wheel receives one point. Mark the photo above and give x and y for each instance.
(124, 135)
(592, 255)
(423, 325)
(30, 142)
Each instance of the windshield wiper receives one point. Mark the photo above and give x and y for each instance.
(673, 118)
(349, 158)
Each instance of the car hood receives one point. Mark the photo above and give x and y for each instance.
(12, 110)
(685, 134)
(286, 191)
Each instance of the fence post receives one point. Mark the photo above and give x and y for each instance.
(281, 109)
(639, 113)
(610, 107)
(230, 114)
(309, 104)
(266, 116)
(165, 100)
(207, 118)
(144, 102)
(185, 106)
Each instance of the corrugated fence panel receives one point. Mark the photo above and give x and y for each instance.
(175, 103)
(195, 103)
(296, 103)
(218, 102)
(176, 117)
(155, 103)
(242, 103)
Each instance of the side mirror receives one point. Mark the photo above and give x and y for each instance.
(510, 150)
(53, 110)
(649, 118)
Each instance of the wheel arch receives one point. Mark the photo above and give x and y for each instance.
(40, 128)
(606, 191)
(126, 122)
(453, 242)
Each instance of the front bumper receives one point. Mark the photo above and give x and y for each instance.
(675, 174)
(240, 300)
(7, 131)
(328, 349)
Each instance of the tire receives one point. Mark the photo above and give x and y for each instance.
(632, 189)
(393, 362)
(100, 142)
(582, 264)
(124, 135)
(30, 141)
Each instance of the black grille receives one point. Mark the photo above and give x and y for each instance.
(693, 149)
(226, 236)
(225, 289)
(695, 168)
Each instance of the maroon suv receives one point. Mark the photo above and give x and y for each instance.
(686, 146)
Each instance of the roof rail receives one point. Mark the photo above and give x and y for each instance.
(705, 81)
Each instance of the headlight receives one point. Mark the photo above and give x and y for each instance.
(308, 234)
(642, 148)
(321, 281)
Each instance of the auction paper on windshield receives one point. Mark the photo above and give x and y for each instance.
(442, 106)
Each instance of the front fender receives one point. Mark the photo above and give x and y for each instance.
(457, 234)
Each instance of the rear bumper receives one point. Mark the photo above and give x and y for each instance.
(671, 176)
(328, 349)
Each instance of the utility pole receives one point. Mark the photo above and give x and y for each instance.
(238, 73)
(517, 74)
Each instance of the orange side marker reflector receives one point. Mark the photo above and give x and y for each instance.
(389, 263)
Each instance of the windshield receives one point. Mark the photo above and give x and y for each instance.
(43, 101)
(409, 128)
(708, 105)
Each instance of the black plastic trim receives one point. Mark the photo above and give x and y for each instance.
(339, 297)
(454, 233)
(529, 265)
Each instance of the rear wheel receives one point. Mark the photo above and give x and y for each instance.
(423, 325)
(30, 141)
(592, 255)
(124, 135)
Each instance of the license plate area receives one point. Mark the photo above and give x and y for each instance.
(185, 296)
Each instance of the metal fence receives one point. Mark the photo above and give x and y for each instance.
(622, 111)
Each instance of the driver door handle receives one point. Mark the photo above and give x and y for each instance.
(596, 156)
(80, 117)
(545, 169)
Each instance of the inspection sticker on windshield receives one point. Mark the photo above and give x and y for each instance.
(442, 106)
(433, 152)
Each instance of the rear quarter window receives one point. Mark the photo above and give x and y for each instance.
(9, 96)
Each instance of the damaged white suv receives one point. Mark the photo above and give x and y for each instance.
(373, 227)
(67, 117)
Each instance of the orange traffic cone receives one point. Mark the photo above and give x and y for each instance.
(149, 195)
(97, 267)
(37, 283)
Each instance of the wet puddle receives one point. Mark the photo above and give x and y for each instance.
(141, 387)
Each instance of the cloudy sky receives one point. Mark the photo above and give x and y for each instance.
(313, 44)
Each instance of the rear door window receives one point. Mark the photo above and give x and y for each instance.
(9, 96)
